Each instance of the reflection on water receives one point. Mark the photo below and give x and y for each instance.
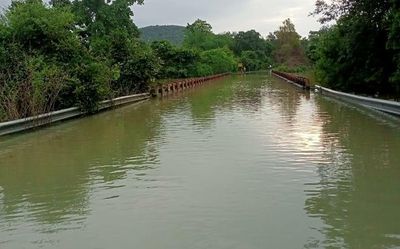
(357, 196)
(244, 162)
(46, 177)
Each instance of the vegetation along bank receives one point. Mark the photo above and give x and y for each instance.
(75, 53)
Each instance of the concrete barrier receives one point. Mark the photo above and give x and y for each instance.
(387, 106)
(298, 81)
(52, 117)
(181, 84)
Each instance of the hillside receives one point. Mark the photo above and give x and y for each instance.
(172, 33)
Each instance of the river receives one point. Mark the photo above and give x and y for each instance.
(240, 163)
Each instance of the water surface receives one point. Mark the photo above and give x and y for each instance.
(243, 162)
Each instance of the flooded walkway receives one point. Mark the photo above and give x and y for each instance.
(245, 162)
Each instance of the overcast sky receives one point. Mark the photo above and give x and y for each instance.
(229, 15)
(226, 15)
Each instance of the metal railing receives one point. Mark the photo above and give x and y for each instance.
(387, 106)
(19, 125)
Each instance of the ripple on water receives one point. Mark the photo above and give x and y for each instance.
(242, 163)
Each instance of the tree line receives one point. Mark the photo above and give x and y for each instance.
(78, 52)
(361, 52)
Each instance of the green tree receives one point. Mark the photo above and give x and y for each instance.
(314, 39)
(288, 48)
(361, 52)
(394, 44)
(199, 36)
(254, 51)
(250, 60)
(99, 17)
(219, 60)
(176, 62)
(69, 53)
(200, 26)
(42, 52)
(108, 31)
(250, 41)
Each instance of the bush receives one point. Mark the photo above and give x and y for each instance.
(93, 85)
(287, 69)
(220, 60)
(34, 89)
(137, 70)
(52, 58)
(202, 70)
(176, 62)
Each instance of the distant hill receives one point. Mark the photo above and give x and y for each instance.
(172, 33)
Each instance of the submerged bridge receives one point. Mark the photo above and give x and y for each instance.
(179, 85)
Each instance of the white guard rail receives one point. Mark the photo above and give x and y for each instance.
(387, 106)
(52, 117)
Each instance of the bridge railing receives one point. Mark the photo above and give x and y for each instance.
(302, 81)
(23, 124)
(171, 86)
(388, 106)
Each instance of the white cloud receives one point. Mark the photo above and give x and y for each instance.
(226, 15)
(229, 15)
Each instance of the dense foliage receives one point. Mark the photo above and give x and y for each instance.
(215, 55)
(71, 53)
(361, 52)
(288, 46)
(247, 50)
(254, 52)
(78, 52)
(176, 62)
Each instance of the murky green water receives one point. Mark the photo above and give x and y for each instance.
(245, 162)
